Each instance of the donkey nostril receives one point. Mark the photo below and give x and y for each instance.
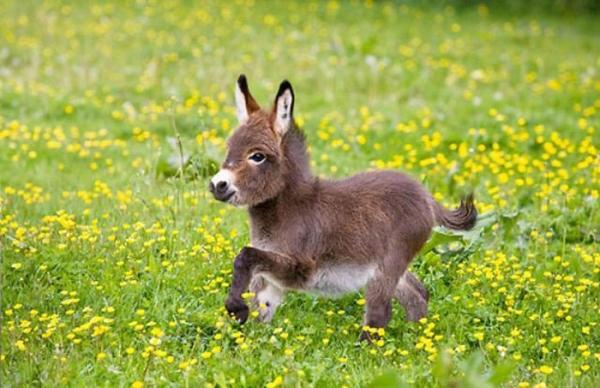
(211, 187)
(221, 186)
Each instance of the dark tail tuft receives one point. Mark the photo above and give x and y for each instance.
(463, 218)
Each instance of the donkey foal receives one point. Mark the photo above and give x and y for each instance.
(322, 236)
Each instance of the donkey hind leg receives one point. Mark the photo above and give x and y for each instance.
(378, 311)
(268, 296)
(380, 291)
(416, 284)
(413, 296)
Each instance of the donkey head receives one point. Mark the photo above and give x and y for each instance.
(256, 165)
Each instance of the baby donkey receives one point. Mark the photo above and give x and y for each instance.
(323, 236)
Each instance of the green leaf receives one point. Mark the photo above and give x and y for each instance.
(444, 236)
(440, 236)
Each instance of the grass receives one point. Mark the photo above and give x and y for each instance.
(115, 267)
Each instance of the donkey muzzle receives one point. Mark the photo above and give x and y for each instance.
(221, 186)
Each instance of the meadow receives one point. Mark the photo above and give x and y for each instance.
(116, 261)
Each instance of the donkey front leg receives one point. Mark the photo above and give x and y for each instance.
(268, 296)
(288, 272)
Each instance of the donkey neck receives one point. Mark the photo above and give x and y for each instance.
(270, 219)
(300, 187)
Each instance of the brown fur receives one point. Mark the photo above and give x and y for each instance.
(303, 226)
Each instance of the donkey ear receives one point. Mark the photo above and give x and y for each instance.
(244, 102)
(284, 108)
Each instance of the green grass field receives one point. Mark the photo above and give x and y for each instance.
(115, 265)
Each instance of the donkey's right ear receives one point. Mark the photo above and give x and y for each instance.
(244, 102)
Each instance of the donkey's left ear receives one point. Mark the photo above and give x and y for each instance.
(284, 108)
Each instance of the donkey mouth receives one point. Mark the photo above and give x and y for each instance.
(226, 197)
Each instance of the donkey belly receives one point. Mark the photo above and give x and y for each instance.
(337, 280)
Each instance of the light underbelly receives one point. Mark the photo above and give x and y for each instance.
(337, 280)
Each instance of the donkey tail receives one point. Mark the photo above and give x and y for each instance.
(462, 218)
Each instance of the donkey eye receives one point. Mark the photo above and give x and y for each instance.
(257, 157)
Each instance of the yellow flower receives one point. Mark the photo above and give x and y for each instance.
(278, 381)
(137, 384)
(545, 369)
(20, 345)
(155, 341)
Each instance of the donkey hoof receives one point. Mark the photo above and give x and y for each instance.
(265, 315)
(366, 336)
(371, 334)
(237, 309)
(416, 313)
